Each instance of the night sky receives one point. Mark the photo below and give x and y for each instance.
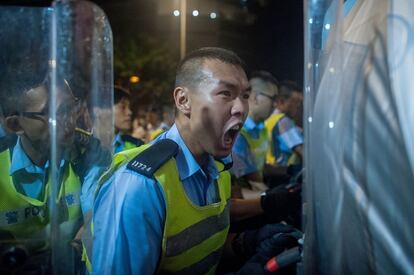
(274, 42)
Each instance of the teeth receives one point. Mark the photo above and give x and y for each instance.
(236, 127)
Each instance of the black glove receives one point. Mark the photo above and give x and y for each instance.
(276, 245)
(251, 268)
(268, 249)
(253, 238)
(278, 203)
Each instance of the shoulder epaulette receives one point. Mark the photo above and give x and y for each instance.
(151, 159)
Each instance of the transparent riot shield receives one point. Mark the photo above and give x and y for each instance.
(56, 104)
(359, 146)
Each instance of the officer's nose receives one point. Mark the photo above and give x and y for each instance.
(240, 107)
(128, 112)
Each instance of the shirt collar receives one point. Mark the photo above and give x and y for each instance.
(249, 124)
(2, 132)
(186, 163)
(117, 139)
(164, 126)
(20, 161)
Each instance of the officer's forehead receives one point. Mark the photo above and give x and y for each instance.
(219, 70)
(261, 85)
(40, 95)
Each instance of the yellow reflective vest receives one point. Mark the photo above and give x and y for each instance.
(258, 146)
(154, 134)
(193, 236)
(27, 219)
(270, 123)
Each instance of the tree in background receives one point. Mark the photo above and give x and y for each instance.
(153, 62)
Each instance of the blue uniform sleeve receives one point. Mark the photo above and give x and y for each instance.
(129, 218)
(288, 134)
(243, 158)
(89, 187)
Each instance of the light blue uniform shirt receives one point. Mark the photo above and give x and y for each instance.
(286, 136)
(130, 210)
(118, 144)
(30, 179)
(243, 158)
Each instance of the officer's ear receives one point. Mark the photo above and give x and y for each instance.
(182, 100)
(12, 124)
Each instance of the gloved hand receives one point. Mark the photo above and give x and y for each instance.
(269, 248)
(253, 238)
(278, 203)
(276, 245)
(251, 268)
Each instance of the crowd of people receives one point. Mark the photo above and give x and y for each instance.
(212, 185)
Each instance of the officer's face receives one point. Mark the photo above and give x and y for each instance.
(262, 101)
(34, 120)
(122, 113)
(219, 107)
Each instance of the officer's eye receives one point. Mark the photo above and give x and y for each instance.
(225, 93)
(246, 95)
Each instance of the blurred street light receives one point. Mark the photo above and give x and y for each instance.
(195, 13)
(213, 15)
(134, 79)
(176, 13)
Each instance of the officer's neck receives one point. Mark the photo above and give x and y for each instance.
(256, 118)
(36, 153)
(193, 145)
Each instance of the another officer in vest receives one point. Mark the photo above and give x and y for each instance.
(25, 173)
(249, 151)
(165, 207)
(25, 166)
(249, 156)
(285, 137)
(122, 112)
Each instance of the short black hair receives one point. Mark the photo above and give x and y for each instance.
(14, 89)
(12, 95)
(265, 76)
(189, 69)
(287, 87)
(120, 93)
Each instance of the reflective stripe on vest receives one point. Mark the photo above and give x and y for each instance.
(193, 235)
(27, 219)
(270, 123)
(258, 146)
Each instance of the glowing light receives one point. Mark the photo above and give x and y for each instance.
(52, 63)
(195, 13)
(176, 13)
(310, 20)
(327, 26)
(331, 124)
(134, 79)
(310, 119)
(213, 15)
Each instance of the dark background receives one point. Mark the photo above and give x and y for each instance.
(267, 34)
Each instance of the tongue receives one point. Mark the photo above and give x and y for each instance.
(228, 138)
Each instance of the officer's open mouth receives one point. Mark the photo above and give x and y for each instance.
(231, 134)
